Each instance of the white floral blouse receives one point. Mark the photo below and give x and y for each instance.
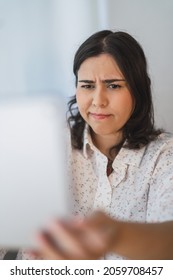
(140, 188)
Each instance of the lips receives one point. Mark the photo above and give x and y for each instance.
(99, 116)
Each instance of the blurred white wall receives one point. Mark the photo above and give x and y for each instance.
(38, 39)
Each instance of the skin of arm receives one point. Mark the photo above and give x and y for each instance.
(92, 237)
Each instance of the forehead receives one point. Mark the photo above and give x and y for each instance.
(103, 66)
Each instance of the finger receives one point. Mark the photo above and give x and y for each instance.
(30, 255)
(100, 231)
(48, 250)
(69, 240)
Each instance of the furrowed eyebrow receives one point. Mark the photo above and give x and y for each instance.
(104, 81)
(86, 81)
(113, 80)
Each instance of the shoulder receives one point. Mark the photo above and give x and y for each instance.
(161, 147)
(163, 143)
(160, 154)
(165, 137)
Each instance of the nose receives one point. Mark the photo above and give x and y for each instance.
(99, 98)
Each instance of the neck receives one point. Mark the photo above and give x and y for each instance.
(105, 142)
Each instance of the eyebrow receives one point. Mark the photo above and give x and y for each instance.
(107, 81)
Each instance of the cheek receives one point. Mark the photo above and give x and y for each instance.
(125, 105)
(82, 102)
(81, 105)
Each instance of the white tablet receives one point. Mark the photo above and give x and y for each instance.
(32, 168)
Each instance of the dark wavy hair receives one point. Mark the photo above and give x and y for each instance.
(129, 56)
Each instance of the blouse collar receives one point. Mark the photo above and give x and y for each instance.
(125, 155)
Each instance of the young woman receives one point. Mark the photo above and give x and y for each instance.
(121, 166)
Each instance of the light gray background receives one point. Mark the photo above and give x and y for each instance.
(38, 39)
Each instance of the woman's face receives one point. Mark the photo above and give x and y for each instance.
(103, 98)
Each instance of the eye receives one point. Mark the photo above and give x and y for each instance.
(87, 86)
(114, 86)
